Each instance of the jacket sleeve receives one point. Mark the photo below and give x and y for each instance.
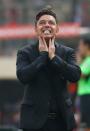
(68, 70)
(27, 70)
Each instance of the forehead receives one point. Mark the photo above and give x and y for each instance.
(47, 18)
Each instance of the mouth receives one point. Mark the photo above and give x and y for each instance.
(47, 31)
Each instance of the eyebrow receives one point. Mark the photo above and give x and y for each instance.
(47, 20)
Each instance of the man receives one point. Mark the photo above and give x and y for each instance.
(45, 68)
(84, 83)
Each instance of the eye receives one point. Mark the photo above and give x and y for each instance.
(52, 23)
(42, 22)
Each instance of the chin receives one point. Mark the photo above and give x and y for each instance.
(48, 37)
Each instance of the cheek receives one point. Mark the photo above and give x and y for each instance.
(55, 29)
(38, 28)
(38, 31)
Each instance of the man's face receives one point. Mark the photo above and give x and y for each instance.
(46, 27)
(82, 48)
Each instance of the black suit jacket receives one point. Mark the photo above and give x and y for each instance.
(33, 70)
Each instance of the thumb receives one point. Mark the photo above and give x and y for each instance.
(44, 42)
(50, 43)
(40, 40)
(53, 40)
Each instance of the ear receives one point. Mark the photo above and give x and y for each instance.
(36, 31)
(35, 27)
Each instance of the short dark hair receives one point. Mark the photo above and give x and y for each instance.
(46, 11)
(86, 40)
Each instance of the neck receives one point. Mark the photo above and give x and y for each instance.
(47, 42)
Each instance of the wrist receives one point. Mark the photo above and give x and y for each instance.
(51, 56)
(43, 53)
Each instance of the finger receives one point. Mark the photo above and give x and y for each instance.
(39, 38)
(40, 41)
(53, 40)
(43, 39)
(50, 44)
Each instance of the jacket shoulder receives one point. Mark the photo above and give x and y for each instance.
(26, 49)
(67, 49)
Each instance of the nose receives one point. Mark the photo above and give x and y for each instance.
(47, 24)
